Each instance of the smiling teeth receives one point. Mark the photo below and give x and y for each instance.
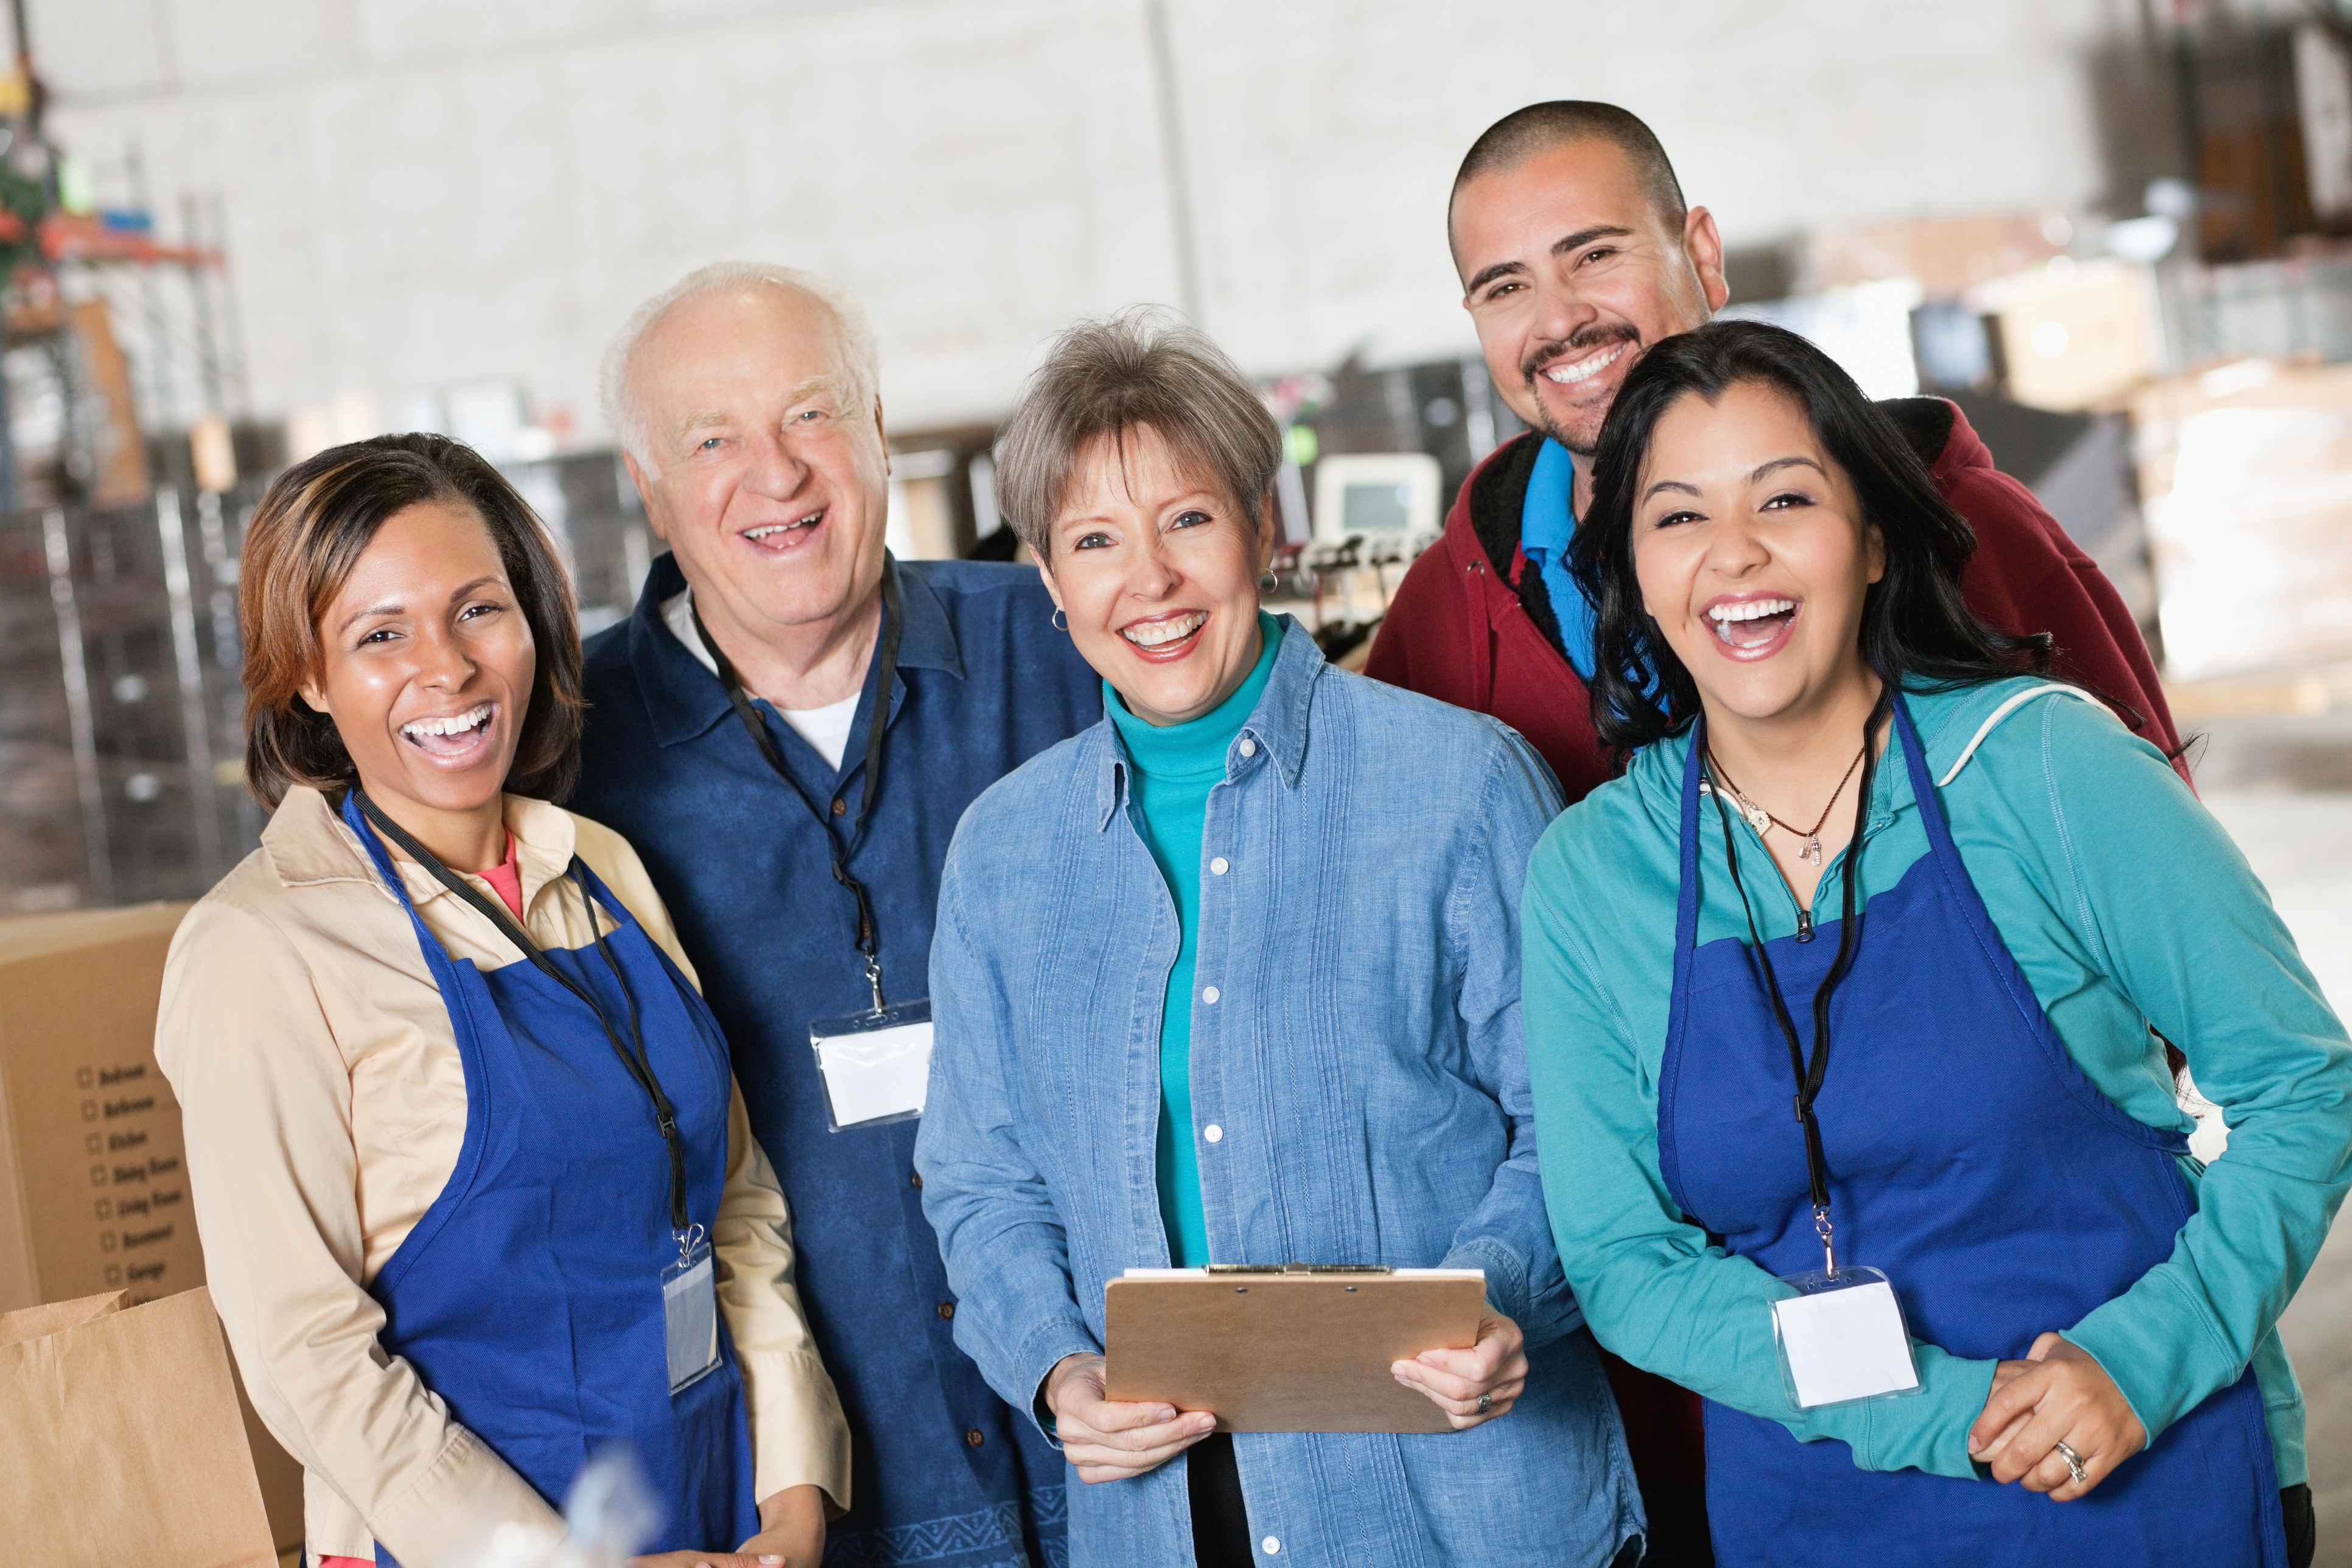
(781, 527)
(457, 726)
(1160, 634)
(1751, 609)
(1584, 370)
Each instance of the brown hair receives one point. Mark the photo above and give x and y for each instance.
(1103, 379)
(313, 524)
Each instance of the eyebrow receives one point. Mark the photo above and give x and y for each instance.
(1561, 246)
(705, 418)
(1762, 473)
(393, 607)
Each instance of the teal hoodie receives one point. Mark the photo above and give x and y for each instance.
(2126, 905)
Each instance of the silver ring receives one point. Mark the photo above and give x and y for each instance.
(1485, 1403)
(2073, 1462)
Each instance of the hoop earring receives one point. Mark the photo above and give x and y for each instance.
(1267, 581)
(1058, 621)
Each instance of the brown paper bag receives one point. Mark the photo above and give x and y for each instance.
(121, 1441)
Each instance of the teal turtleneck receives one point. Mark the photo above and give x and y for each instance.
(1173, 768)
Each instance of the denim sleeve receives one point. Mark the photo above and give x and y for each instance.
(1006, 1253)
(2190, 935)
(1652, 1287)
(1507, 1234)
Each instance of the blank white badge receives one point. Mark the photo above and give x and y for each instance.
(877, 1066)
(1843, 1341)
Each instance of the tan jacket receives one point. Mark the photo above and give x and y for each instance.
(325, 1103)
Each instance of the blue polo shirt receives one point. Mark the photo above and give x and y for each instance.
(942, 1472)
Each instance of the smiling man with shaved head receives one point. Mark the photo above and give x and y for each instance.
(788, 729)
(1577, 253)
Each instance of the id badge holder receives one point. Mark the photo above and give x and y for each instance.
(1842, 1339)
(875, 1066)
(691, 1311)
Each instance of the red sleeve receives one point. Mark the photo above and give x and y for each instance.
(2028, 576)
(1422, 641)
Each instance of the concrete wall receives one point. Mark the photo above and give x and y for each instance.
(425, 193)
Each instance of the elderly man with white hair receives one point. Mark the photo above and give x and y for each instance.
(788, 729)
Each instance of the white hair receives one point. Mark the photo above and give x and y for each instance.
(624, 409)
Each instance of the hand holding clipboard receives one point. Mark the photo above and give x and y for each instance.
(1301, 1348)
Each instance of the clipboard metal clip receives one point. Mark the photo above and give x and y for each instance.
(1297, 1268)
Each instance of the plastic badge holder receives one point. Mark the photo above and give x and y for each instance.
(875, 1066)
(1842, 1339)
(690, 1313)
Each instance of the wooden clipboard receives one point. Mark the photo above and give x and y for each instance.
(1291, 1350)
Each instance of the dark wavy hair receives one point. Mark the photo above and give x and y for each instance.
(1917, 630)
(313, 523)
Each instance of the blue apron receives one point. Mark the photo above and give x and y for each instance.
(528, 1296)
(1972, 1160)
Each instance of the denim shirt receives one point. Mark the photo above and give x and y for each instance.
(1360, 1094)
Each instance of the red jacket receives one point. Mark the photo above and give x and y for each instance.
(1457, 629)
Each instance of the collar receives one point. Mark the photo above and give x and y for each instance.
(309, 842)
(1548, 515)
(680, 685)
(1275, 730)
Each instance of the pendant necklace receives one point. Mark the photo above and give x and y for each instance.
(1760, 819)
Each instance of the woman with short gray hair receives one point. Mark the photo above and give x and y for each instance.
(1249, 946)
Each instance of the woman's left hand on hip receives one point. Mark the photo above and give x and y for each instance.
(2058, 1395)
(1475, 1385)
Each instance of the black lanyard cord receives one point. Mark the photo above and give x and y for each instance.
(1811, 1072)
(637, 1061)
(868, 935)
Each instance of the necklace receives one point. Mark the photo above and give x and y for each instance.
(1760, 819)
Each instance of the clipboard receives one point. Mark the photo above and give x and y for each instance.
(1288, 1347)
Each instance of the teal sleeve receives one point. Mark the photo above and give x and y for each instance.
(2169, 907)
(1653, 1289)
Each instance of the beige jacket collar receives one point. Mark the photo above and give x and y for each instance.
(309, 842)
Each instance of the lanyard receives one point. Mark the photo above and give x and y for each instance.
(1812, 1072)
(868, 935)
(640, 1065)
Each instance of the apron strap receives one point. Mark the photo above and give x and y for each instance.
(382, 857)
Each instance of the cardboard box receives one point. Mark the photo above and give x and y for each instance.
(93, 1181)
(2075, 335)
(1945, 256)
(2246, 482)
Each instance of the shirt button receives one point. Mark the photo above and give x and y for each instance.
(1213, 1134)
(947, 1308)
(839, 805)
(1210, 994)
(914, 1178)
(1218, 867)
(973, 1437)
(1249, 747)
(1270, 1545)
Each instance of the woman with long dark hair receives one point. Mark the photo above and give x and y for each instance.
(1839, 1015)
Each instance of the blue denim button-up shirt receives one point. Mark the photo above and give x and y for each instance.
(1361, 1060)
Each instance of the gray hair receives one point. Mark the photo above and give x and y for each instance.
(625, 410)
(1103, 379)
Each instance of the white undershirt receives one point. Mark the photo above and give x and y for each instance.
(827, 728)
